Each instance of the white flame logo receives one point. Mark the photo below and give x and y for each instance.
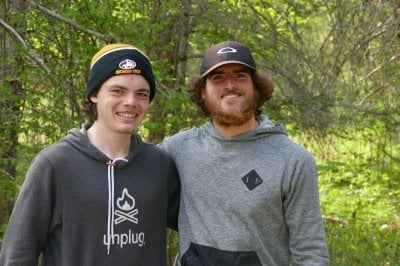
(126, 202)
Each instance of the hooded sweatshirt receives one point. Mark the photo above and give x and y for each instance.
(251, 199)
(78, 207)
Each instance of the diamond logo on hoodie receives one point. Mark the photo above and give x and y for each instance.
(252, 180)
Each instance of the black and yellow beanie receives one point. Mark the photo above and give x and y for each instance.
(118, 59)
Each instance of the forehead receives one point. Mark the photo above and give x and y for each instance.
(128, 80)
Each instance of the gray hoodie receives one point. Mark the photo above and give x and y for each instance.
(79, 207)
(251, 199)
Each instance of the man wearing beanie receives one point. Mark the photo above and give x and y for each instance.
(100, 195)
(249, 194)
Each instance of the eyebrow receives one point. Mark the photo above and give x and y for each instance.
(117, 86)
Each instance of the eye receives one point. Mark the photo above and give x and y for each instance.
(117, 91)
(216, 77)
(241, 75)
(143, 94)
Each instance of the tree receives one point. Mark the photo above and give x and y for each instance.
(11, 97)
(335, 65)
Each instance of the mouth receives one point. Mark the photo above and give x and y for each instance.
(231, 95)
(127, 114)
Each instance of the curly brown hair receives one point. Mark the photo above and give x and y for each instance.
(90, 108)
(262, 81)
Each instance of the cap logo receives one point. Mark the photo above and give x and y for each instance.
(226, 50)
(127, 64)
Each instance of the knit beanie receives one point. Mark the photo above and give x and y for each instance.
(118, 59)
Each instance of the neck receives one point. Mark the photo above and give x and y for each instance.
(230, 131)
(113, 144)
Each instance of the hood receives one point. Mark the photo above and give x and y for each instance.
(77, 137)
(265, 128)
(79, 140)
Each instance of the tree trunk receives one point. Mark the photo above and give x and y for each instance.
(11, 93)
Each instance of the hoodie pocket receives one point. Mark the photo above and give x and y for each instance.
(199, 255)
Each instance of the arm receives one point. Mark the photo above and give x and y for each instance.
(174, 189)
(29, 223)
(302, 213)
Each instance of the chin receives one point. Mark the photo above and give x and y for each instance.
(129, 130)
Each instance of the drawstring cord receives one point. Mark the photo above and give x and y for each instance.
(110, 220)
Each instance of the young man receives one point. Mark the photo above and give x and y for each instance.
(100, 196)
(249, 194)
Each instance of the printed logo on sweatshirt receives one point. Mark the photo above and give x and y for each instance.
(126, 204)
(125, 212)
(252, 180)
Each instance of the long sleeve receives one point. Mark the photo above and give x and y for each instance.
(301, 203)
(30, 222)
(173, 189)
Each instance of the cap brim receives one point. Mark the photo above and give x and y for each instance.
(224, 63)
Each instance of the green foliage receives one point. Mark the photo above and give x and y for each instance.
(360, 195)
(8, 193)
(335, 66)
(362, 243)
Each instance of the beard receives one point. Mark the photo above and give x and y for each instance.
(235, 116)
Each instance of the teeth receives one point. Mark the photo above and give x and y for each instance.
(230, 96)
(128, 115)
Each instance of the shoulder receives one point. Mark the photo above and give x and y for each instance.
(56, 150)
(291, 150)
(183, 136)
(155, 152)
(153, 149)
(55, 155)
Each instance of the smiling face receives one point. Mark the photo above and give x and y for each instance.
(229, 95)
(122, 102)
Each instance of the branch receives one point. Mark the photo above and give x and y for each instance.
(370, 74)
(32, 53)
(70, 22)
(335, 220)
(7, 174)
(378, 68)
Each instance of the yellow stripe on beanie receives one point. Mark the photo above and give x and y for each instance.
(112, 48)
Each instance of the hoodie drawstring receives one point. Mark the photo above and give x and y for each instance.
(110, 220)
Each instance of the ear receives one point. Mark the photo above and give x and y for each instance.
(93, 98)
(203, 93)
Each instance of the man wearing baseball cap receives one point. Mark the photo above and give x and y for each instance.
(249, 194)
(99, 196)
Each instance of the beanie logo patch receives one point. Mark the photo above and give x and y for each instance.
(127, 64)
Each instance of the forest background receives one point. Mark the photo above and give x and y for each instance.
(335, 64)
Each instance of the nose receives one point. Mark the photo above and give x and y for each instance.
(130, 99)
(229, 81)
